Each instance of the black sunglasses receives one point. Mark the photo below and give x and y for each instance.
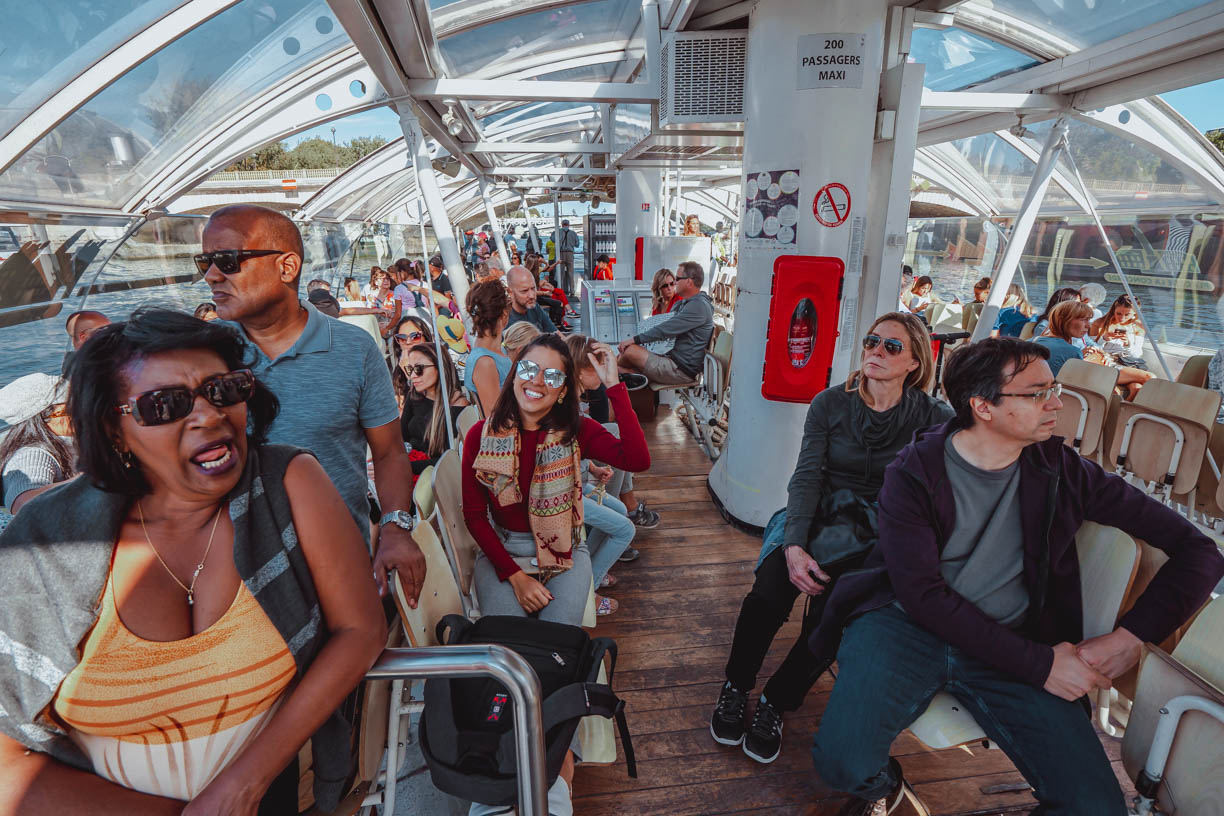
(418, 369)
(229, 261)
(892, 346)
(164, 405)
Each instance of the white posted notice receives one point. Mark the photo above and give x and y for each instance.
(831, 61)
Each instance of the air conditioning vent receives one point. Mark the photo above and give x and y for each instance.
(702, 81)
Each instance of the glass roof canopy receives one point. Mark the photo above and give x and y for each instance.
(120, 107)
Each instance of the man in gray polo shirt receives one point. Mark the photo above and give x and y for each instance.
(334, 388)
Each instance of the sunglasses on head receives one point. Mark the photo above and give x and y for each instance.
(410, 336)
(164, 405)
(418, 369)
(229, 261)
(892, 346)
(553, 377)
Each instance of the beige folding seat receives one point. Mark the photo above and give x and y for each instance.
(1194, 371)
(1087, 391)
(1192, 777)
(1108, 561)
(460, 546)
(468, 417)
(1162, 436)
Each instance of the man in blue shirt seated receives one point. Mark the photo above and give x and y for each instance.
(974, 588)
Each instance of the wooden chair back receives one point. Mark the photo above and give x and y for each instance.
(448, 493)
(1151, 450)
(423, 494)
(468, 417)
(1087, 389)
(1194, 371)
(439, 596)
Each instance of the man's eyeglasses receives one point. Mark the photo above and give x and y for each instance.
(164, 405)
(527, 371)
(684, 277)
(1044, 395)
(891, 345)
(418, 369)
(229, 261)
(410, 337)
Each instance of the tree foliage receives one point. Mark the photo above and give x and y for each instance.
(309, 154)
(1216, 137)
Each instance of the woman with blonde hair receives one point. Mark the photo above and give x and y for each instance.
(692, 226)
(852, 432)
(1065, 338)
(1015, 313)
(517, 336)
(663, 292)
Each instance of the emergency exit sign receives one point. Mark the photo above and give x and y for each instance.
(831, 61)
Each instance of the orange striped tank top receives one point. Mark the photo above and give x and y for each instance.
(165, 718)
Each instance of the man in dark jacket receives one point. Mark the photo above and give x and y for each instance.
(975, 590)
(691, 323)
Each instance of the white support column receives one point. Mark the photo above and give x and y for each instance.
(427, 186)
(826, 134)
(1055, 143)
(493, 224)
(639, 200)
(892, 165)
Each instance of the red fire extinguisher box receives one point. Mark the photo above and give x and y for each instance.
(804, 309)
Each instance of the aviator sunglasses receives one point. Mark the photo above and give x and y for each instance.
(229, 261)
(164, 405)
(891, 345)
(553, 377)
(410, 336)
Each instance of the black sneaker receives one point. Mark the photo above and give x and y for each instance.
(629, 554)
(900, 801)
(643, 517)
(763, 742)
(727, 721)
(634, 382)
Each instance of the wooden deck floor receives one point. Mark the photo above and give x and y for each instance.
(679, 602)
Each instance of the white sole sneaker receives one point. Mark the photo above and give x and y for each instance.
(722, 741)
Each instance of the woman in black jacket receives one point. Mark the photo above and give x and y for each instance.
(851, 434)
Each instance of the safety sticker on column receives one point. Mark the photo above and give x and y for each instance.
(771, 209)
(831, 206)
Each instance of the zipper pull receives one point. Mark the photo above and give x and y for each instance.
(560, 660)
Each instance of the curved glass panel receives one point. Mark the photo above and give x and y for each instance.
(1088, 22)
(956, 58)
(1119, 173)
(103, 153)
(46, 45)
(505, 41)
(1004, 169)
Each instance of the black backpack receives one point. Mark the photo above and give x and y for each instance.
(467, 730)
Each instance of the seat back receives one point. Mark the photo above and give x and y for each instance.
(1165, 433)
(423, 494)
(1026, 331)
(368, 322)
(1108, 564)
(448, 494)
(1193, 775)
(1087, 389)
(468, 417)
(439, 596)
(1194, 371)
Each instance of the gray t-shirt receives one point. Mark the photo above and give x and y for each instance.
(983, 559)
(332, 384)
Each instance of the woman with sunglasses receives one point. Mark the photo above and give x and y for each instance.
(487, 367)
(852, 432)
(422, 422)
(663, 292)
(202, 604)
(521, 468)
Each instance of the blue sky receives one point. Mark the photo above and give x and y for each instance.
(1202, 104)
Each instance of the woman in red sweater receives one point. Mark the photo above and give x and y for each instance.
(521, 466)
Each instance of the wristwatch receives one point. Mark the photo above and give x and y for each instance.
(400, 518)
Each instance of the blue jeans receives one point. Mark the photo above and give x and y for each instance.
(611, 533)
(890, 668)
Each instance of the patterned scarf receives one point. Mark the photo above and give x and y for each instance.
(554, 500)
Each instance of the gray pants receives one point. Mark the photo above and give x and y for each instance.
(565, 273)
(570, 589)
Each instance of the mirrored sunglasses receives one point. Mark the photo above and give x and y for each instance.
(527, 371)
(229, 261)
(410, 337)
(891, 345)
(164, 405)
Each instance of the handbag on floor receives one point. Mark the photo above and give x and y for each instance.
(467, 730)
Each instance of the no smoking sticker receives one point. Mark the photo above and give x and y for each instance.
(831, 206)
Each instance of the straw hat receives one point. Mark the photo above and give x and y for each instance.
(27, 397)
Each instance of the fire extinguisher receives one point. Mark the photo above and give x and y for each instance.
(801, 340)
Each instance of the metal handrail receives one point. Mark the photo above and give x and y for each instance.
(509, 669)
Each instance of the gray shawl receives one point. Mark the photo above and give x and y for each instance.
(54, 560)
